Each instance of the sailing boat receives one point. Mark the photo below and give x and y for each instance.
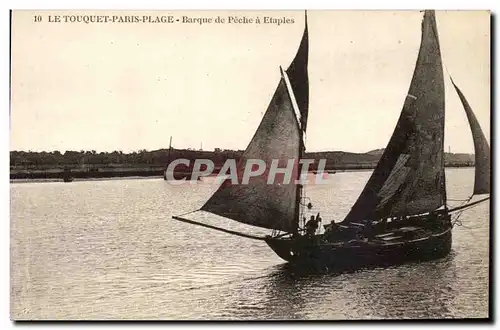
(402, 212)
(67, 175)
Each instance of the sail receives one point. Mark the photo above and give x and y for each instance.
(481, 149)
(409, 178)
(299, 78)
(258, 203)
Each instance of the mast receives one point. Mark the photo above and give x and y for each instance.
(298, 194)
(299, 85)
(300, 187)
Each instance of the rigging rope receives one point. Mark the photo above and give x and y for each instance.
(457, 221)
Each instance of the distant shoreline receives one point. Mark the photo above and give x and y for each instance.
(93, 165)
(56, 175)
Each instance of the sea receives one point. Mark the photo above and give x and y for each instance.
(110, 250)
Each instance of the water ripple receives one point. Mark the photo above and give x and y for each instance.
(109, 250)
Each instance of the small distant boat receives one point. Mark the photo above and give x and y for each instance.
(67, 175)
(402, 212)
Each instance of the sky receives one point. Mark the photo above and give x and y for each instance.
(130, 86)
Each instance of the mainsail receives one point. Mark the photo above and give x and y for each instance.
(279, 137)
(299, 77)
(409, 178)
(258, 203)
(481, 149)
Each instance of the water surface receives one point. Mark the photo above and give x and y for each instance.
(110, 250)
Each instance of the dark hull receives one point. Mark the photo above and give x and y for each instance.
(359, 254)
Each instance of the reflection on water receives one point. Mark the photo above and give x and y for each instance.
(109, 250)
(424, 290)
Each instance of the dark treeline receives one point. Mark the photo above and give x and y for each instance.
(55, 159)
(143, 158)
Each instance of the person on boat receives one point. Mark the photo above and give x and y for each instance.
(331, 231)
(311, 226)
(333, 226)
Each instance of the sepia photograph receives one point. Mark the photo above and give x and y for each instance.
(272, 165)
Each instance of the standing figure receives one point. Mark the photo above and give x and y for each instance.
(311, 226)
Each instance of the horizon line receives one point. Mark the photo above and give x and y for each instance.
(201, 150)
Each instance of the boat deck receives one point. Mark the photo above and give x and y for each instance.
(392, 233)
